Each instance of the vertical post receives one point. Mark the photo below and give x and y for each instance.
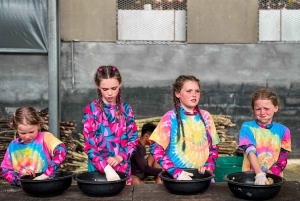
(53, 65)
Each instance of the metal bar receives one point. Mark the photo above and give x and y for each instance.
(53, 68)
(72, 66)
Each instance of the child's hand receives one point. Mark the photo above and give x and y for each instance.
(111, 174)
(261, 179)
(29, 172)
(113, 161)
(201, 169)
(41, 177)
(185, 176)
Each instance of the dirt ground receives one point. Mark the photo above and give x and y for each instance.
(292, 170)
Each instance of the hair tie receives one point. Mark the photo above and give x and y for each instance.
(114, 68)
(100, 69)
(182, 77)
(272, 95)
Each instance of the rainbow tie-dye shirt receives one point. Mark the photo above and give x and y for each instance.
(44, 154)
(266, 143)
(197, 144)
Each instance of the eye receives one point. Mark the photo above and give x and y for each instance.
(104, 89)
(114, 88)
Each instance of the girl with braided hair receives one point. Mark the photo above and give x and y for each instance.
(186, 136)
(110, 131)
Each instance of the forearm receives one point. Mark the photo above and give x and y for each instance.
(212, 159)
(254, 163)
(11, 176)
(59, 155)
(163, 160)
(281, 163)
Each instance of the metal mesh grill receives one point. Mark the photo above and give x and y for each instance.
(151, 21)
(279, 21)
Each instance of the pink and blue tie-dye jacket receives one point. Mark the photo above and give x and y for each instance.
(43, 155)
(108, 136)
(201, 149)
(270, 143)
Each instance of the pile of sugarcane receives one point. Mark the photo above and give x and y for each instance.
(227, 146)
(7, 134)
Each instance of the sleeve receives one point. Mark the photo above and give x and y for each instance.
(138, 156)
(90, 140)
(11, 176)
(131, 135)
(163, 160)
(8, 172)
(212, 159)
(161, 134)
(281, 163)
(59, 155)
(51, 142)
(246, 140)
(286, 140)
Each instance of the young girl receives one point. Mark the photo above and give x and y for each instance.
(110, 131)
(266, 143)
(33, 151)
(185, 137)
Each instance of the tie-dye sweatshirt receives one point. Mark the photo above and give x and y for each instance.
(167, 149)
(270, 143)
(107, 135)
(43, 155)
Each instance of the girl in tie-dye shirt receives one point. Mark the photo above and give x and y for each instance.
(185, 137)
(266, 143)
(110, 131)
(33, 151)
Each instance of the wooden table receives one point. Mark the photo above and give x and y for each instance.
(290, 191)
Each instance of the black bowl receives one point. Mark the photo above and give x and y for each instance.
(49, 187)
(95, 184)
(242, 185)
(199, 183)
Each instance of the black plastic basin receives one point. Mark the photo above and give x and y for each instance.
(49, 187)
(199, 183)
(95, 184)
(241, 184)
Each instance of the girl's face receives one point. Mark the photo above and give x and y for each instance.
(189, 95)
(109, 89)
(28, 133)
(264, 111)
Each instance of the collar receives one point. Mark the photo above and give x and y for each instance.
(268, 126)
(188, 113)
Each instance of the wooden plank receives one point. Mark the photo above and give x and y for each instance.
(8, 192)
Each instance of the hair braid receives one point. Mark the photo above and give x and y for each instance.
(208, 136)
(177, 86)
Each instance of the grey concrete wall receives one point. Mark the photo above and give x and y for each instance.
(229, 75)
